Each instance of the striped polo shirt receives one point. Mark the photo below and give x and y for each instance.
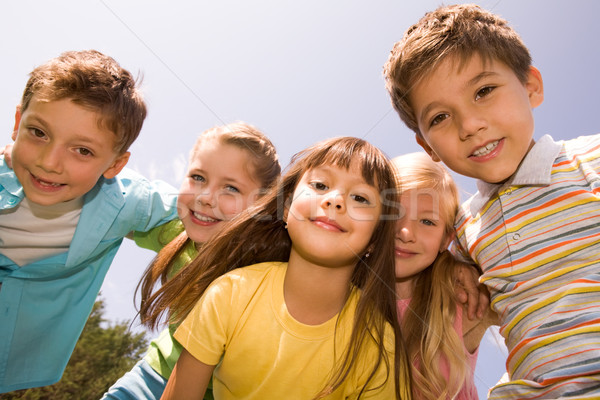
(537, 240)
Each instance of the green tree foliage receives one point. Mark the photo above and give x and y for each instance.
(102, 355)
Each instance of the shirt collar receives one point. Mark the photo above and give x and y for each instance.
(535, 169)
(9, 181)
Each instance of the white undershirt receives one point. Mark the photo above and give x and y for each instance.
(30, 232)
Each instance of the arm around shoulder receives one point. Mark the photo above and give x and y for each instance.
(474, 329)
(155, 202)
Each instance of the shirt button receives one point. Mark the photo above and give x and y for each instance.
(516, 236)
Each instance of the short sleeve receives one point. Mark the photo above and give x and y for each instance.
(203, 333)
(157, 238)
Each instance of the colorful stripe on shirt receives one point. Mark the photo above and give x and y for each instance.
(539, 249)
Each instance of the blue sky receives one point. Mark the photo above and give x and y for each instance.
(300, 71)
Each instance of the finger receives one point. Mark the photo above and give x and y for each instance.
(484, 301)
(473, 304)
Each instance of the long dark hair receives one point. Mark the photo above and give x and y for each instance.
(258, 235)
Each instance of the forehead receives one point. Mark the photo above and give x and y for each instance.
(68, 119)
(353, 173)
(422, 201)
(223, 159)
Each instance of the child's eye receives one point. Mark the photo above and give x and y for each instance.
(484, 92)
(360, 199)
(37, 133)
(438, 119)
(319, 185)
(428, 222)
(232, 189)
(198, 178)
(84, 152)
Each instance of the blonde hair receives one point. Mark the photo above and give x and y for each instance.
(428, 321)
(258, 234)
(97, 82)
(450, 31)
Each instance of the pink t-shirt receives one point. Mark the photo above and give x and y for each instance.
(469, 390)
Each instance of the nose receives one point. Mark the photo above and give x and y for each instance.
(206, 196)
(404, 232)
(471, 125)
(334, 199)
(50, 159)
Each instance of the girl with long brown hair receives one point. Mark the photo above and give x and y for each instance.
(230, 167)
(295, 297)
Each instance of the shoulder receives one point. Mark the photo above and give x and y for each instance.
(6, 174)
(8, 180)
(248, 279)
(232, 292)
(158, 237)
(582, 146)
(134, 183)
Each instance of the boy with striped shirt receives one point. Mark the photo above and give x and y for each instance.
(462, 79)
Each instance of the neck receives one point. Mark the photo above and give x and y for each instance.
(314, 293)
(404, 288)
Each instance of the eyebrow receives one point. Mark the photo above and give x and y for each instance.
(480, 76)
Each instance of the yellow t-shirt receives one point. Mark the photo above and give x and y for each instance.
(242, 324)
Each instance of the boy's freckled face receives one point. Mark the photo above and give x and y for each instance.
(61, 151)
(477, 117)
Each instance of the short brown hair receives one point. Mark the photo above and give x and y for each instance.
(94, 81)
(459, 31)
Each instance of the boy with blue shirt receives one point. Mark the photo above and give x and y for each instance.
(65, 208)
(462, 80)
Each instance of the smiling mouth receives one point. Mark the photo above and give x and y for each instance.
(403, 253)
(328, 224)
(487, 149)
(204, 218)
(47, 184)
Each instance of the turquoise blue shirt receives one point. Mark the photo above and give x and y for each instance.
(44, 305)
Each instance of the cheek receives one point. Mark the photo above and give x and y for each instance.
(19, 156)
(229, 206)
(302, 206)
(185, 200)
(430, 257)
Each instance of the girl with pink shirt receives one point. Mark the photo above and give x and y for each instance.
(443, 359)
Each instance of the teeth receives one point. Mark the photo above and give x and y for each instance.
(43, 183)
(486, 149)
(204, 218)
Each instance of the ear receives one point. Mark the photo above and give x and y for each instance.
(117, 165)
(427, 149)
(17, 122)
(535, 87)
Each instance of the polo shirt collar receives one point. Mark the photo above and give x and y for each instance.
(535, 170)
